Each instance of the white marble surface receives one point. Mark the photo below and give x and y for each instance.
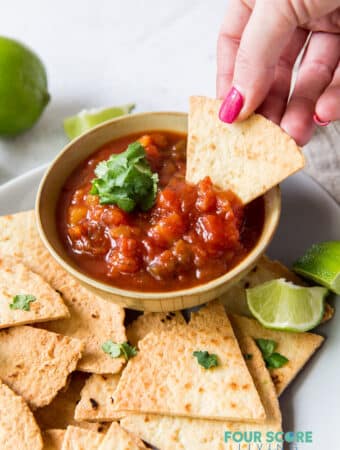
(150, 52)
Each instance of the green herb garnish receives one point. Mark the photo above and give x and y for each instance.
(116, 350)
(22, 301)
(272, 359)
(126, 180)
(247, 356)
(206, 359)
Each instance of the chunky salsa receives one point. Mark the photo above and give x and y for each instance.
(192, 233)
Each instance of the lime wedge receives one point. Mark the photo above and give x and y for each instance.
(281, 305)
(88, 118)
(321, 263)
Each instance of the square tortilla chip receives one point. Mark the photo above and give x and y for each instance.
(178, 433)
(165, 377)
(18, 429)
(36, 363)
(53, 439)
(92, 319)
(248, 157)
(119, 439)
(297, 347)
(96, 399)
(16, 278)
(61, 411)
(80, 439)
(147, 322)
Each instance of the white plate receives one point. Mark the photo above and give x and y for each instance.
(309, 215)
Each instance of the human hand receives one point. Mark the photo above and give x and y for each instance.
(257, 47)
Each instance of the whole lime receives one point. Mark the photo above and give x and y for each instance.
(23, 87)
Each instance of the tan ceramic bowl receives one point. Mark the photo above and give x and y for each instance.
(77, 151)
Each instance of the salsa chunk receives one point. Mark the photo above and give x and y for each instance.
(189, 235)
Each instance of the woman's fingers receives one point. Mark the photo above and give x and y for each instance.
(235, 20)
(315, 74)
(328, 106)
(261, 46)
(275, 103)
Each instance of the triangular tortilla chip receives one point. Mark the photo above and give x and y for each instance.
(248, 157)
(18, 429)
(165, 377)
(92, 318)
(16, 278)
(297, 347)
(178, 433)
(152, 322)
(61, 411)
(53, 439)
(80, 439)
(36, 363)
(235, 300)
(96, 399)
(118, 439)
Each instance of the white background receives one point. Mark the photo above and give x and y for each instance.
(152, 52)
(101, 53)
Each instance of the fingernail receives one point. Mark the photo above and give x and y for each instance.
(231, 106)
(319, 122)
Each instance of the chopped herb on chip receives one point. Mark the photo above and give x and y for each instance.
(22, 301)
(206, 359)
(126, 180)
(247, 356)
(272, 359)
(116, 350)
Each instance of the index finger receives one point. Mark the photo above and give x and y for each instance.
(229, 38)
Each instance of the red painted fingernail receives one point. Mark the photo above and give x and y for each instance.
(319, 122)
(231, 106)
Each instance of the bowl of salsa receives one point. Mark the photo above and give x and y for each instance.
(114, 209)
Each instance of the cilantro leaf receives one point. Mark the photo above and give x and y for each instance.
(22, 301)
(267, 346)
(206, 359)
(116, 350)
(126, 180)
(272, 359)
(275, 361)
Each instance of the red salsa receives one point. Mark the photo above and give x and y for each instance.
(192, 234)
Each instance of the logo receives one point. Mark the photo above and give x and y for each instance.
(271, 440)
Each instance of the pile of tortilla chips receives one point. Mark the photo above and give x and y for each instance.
(59, 390)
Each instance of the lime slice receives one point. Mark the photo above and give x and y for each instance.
(23, 87)
(321, 263)
(282, 305)
(88, 118)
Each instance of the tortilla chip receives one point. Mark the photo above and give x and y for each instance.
(178, 433)
(18, 429)
(96, 399)
(60, 412)
(118, 439)
(165, 377)
(92, 318)
(16, 278)
(152, 322)
(53, 439)
(248, 157)
(80, 439)
(36, 363)
(297, 347)
(235, 300)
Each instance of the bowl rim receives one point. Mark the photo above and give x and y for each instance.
(273, 195)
